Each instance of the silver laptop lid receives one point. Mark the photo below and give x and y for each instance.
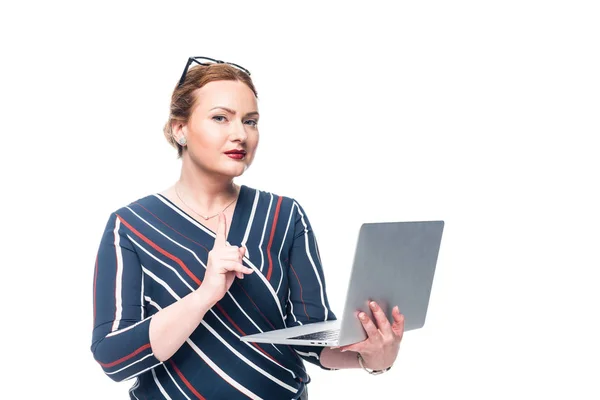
(394, 264)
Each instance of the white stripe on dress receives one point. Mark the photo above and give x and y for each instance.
(191, 289)
(222, 373)
(115, 333)
(312, 262)
(200, 261)
(250, 221)
(129, 365)
(292, 307)
(197, 259)
(151, 302)
(175, 382)
(309, 354)
(118, 277)
(142, 299)
(162, 389)
(281, 248)
(141, 372)
(204, 357)
(135, 386)
(248, 262)
(262, 238)
(220, 338)
(250, 363)
(155, 305)
(268, 286)
(161, 262)
(161, 282)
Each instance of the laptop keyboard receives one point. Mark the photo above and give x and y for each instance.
(322, 335)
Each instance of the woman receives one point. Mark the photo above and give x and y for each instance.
(181, 275)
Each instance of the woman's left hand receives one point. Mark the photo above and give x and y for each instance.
(380, 349)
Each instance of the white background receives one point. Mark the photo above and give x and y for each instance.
(483, 114)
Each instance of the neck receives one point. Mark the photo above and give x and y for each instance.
(209, 194)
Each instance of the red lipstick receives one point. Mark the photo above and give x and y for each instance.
(236, 154)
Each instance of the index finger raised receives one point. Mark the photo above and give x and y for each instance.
(221, 239)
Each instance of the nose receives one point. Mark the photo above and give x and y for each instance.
(238, 131)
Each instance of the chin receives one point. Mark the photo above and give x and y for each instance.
(233, 172)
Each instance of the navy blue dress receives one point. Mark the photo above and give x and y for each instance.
(153, 253)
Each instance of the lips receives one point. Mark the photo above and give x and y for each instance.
(236, 154)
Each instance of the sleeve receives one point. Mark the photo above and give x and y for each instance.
(307, 301)
(121, 334)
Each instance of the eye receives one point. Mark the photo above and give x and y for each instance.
(253, 122)
(216, 118)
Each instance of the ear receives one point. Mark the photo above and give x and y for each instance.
(179, 130)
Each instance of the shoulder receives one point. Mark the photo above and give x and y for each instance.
(284, 203)
(149, 203)
(132, 218)
(265, 195)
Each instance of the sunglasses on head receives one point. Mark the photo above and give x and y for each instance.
(206, 61)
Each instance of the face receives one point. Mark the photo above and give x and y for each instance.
(224, 119)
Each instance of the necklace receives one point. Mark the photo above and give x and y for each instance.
(206, 217)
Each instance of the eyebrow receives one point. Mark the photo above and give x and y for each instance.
(229, 110)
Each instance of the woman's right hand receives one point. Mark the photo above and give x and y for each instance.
(224, 264)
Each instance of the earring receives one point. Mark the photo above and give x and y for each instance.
(182, 141)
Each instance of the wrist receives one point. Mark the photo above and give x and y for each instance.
(361, 362)
(203, 299)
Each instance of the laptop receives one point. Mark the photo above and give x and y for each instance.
(394, 264)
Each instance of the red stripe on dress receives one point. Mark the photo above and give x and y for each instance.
(270, 270)
(257, 308)
(161, 251)
(127, 357)
(186, 382)
(301, 298)
(190, 274)
(220, 307)
(171, 228)
(264, 317)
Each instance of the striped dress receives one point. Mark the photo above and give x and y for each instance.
(152, 253)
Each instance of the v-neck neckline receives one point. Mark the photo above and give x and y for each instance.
(234, 217)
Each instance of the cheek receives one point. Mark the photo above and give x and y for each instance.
(207, 134)
(254, 139)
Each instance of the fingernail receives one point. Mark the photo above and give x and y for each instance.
(373, 305)
(362, 316)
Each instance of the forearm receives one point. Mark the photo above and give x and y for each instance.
(335, 359)
(173, 325)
